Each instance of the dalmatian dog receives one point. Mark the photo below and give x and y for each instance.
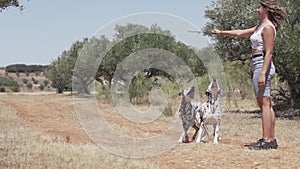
(187, 112)
(210, 113)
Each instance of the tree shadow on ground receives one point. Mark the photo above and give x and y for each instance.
(283, 110)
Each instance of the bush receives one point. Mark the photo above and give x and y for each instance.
(25, 81)
(139, 89)
(46, 82)
(9, 83)
(34, 80)
(103, 92)
(37, 73)
(2, 89)
(168, 111)
(29, 86)
(42, 87)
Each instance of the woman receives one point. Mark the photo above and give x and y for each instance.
(271, 16)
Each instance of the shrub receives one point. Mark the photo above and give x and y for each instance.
(29, 86)
(2, 89)
(42, 87)
(9, 83)
(37, 73)
(139, 89)
(168, 111)
(25, 81)
(103, 92)
(46, 82)
(34, 80)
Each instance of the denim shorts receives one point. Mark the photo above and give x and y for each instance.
(257, 61)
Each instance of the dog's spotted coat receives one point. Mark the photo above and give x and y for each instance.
(210, 113)
(188, 112)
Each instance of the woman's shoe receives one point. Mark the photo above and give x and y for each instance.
(261, 144)
(274, 144)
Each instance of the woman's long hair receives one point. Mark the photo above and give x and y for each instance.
(276, 12)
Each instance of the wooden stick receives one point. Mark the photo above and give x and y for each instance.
(195, 31)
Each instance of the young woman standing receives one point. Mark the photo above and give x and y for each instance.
(271, 16)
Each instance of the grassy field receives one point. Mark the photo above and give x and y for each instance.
(22, 147)
(43, 132)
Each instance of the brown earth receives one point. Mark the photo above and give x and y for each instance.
(54, 114)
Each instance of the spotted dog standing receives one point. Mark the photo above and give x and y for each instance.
(188, 110)
(210, 113)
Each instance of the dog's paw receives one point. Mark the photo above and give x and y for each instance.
(216, 143)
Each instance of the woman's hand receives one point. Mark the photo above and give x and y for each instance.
(216, 31)
(262, 81)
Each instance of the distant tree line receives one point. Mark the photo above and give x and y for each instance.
(22, 68)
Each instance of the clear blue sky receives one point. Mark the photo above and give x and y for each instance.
(45, 28)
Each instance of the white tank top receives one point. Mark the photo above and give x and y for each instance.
(257, 39)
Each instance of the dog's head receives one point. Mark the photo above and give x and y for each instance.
(188, 93)
(213, 91)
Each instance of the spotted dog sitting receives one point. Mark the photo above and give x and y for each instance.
(188, 110)
(210, 113)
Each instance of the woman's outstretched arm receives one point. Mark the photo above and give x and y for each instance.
(245, 33)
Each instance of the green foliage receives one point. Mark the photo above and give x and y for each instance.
(9, 83)
(168, 111)
(103, 92)
(60, 73)
(46, 82)
(229, 15)
(37, 73)
(137, 40)
(2, 89)
(41, 87)
(139, 89)
(286, 53)
(22, 68)
(169, 88)
(202, 83)
(34, 80)
(223, 15)
(238, 77)
(29, 86)
(129, 40)
(25, 81)
(87, 60)
(10, 3)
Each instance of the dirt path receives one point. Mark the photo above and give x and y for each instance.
(55, 115)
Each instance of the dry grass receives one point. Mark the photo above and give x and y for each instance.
(21, 147)
(27, 144)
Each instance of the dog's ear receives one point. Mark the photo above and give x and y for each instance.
(180, 94)
(207, 93)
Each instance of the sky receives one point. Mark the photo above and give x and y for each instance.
(44, 29)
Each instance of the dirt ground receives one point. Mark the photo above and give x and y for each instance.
(54, 114)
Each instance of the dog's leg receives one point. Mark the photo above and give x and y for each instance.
(184, 134)
(200, 133)
(181, 137)
(197, 129)
(216, 132)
